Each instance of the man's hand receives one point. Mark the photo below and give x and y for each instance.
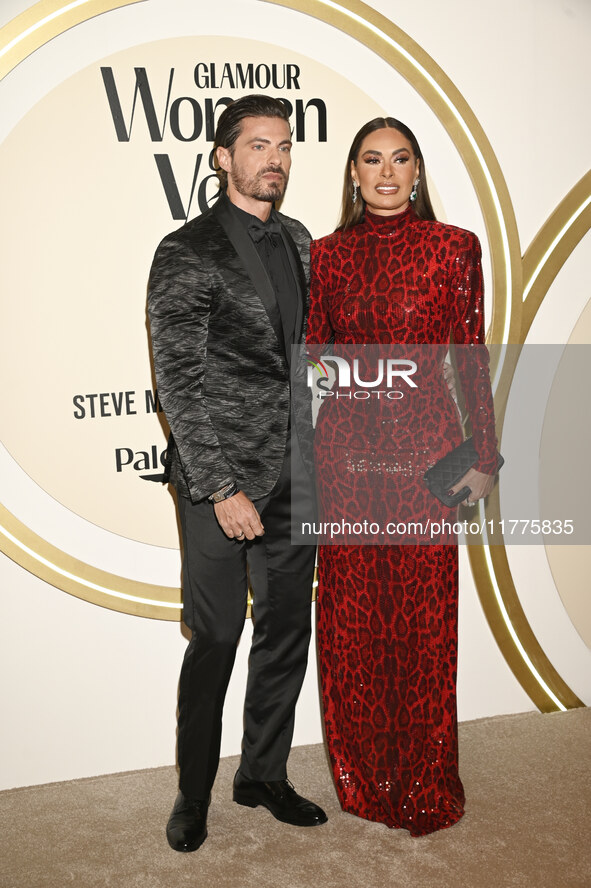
(238, 517)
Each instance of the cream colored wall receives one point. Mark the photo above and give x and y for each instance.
(571, 566)
(87, 690)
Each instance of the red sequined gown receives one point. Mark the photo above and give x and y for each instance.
(387, 614)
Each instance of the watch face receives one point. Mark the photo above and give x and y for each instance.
(223, 493)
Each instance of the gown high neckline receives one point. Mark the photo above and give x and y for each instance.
(387, 613)
(386, 226)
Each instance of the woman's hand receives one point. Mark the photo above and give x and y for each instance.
(480, 485)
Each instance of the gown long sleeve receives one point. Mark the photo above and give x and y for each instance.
(387, 611)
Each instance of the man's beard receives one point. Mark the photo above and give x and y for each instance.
(256, 188)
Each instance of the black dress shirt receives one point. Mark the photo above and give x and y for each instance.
(273, 254)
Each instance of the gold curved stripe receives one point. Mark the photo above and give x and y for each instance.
(490, 568)
(83, 580)
(411, 61)
(552, 246)
(546, 255)
(42, 22)
(542, 261)
(18, 39)
(509, 624)
(49, 18)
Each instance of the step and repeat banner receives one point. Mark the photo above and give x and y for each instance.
(107, 147)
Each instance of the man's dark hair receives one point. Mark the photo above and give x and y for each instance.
(230, 123)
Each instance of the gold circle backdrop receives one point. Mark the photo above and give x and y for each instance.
(512, 317)
(490, 568)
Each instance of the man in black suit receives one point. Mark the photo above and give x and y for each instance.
(227, 301)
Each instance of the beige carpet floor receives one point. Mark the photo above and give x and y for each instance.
(527, 825)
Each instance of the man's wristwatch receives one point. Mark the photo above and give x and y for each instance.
(224, 492)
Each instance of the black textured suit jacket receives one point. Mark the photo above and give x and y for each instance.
(219, 356)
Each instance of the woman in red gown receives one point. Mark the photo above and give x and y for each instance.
(387, 614)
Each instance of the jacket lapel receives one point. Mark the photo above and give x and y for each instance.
(242, 243)
(298, 276)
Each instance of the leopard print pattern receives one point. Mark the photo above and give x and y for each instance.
(387, 614)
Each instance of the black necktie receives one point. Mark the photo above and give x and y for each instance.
(258, 230)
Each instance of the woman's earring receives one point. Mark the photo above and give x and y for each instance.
(354, 192)
(413, 193)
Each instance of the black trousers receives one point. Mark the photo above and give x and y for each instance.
(215, 585)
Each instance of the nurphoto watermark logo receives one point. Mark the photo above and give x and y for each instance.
(386, 378)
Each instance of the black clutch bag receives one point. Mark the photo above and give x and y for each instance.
(448, 470)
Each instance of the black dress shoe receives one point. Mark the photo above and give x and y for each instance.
(186, 829)
(280, 798)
